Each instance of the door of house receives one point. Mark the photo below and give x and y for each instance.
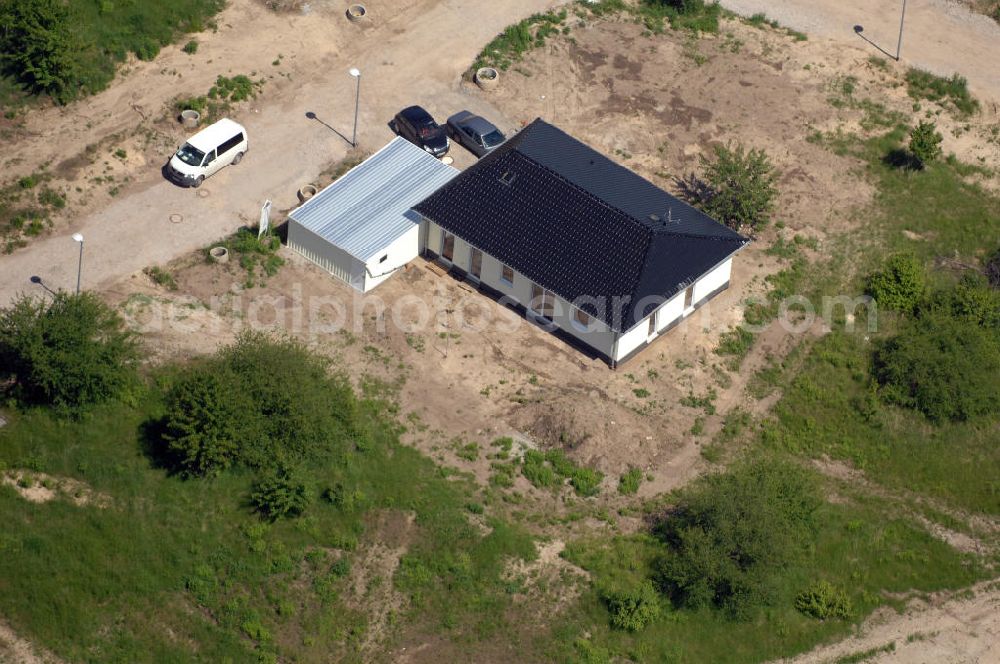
(476, 264)
(689, 297)
(652, 323)
(542, 302)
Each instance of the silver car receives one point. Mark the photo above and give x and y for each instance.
(477, 134)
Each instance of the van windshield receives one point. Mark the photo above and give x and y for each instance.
(190, 155)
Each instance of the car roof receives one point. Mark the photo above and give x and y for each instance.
(211, 136)
(416, 114)
(477, 123)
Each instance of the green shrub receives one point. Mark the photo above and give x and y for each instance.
(634, 608)
(261, 401)
(191, 47)
(628, 483)
(730, 535)
(161, 277)
(70, 353)
(925, 143)
(945, 367)
(900, 285)
(823, 600)
(739, 187)
(280, 493)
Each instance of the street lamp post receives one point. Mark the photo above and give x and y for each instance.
(356, 73)
(899, 44)
(78, 237)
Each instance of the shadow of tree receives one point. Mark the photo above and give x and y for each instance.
(692, 189)
(902, 159)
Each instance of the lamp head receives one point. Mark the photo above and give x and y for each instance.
(354, 71)
(78, 237)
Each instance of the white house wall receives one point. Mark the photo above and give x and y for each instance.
(598, 335)
(673, 310)
(713, 281)
(327, 256)
(400, 252)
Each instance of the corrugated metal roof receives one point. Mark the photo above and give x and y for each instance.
(369, 206)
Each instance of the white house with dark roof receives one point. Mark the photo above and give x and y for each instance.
(581, 244)
(361, 228)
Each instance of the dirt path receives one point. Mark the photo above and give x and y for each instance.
(942, 36)
(15, 650)
(413, 51)
(947, 627)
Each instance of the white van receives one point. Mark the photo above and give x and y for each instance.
(215, 146)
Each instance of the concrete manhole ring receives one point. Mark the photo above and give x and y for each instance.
(203, 193)
(176, 218)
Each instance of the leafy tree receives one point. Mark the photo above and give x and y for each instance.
(925, 143)
(205, 422)
(70, 353)
(740, 187)
(943, 366)
(900, 285)
(280, 493)
(634, 608)
(263, 401)
(37, 47)
(971, 299)
(730, 534)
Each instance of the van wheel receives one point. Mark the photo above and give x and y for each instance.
(238, 158)
(198, 181)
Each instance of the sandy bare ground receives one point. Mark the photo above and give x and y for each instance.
(942, 36)
(945, 627)
(412, 51)
(15, 650)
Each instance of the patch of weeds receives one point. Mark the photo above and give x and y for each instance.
(502, 475)
(706, 402)
(510, 45)
(640, 392)
(191, 47)
(221, 96)
(469, 451)
(951, 90)
(698, 428)
(628, 483)
(865, 655)
(161, 277)
(537, 471)
(878, 62)
(735, 344)
(415, 341)
(258, 256)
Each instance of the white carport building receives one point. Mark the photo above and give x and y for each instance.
(361, 228)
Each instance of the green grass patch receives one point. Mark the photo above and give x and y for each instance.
(830, 408)
(180, 569)
(856, 549)
(516, 40)
(950, 91)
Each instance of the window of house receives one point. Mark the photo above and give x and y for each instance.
(507, 275)
(581, 318)
(689, 297)
(652, 323)
(542, 302)
(476, 263)
(383, 259)
(448, 247)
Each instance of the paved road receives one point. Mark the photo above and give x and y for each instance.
(419, 56)
(942, 36)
